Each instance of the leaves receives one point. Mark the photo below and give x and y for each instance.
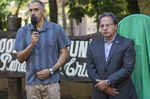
(76, 11)
(18, 4)
(3, 11)
(79, 8)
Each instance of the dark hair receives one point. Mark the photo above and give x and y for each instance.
(40, 2)
(108, 14)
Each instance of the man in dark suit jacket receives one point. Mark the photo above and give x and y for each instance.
(110, 62)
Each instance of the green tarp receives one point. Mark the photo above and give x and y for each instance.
(137, 27)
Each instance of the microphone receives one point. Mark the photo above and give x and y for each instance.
(34, 22)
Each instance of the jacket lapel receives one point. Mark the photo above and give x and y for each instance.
(101, 50)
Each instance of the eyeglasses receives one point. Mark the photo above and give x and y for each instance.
(107, 25)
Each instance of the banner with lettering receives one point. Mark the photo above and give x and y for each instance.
(74, 69)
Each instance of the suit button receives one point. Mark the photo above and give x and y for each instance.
(105, 70)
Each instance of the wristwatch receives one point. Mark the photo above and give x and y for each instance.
(107, 82)
(51, 71)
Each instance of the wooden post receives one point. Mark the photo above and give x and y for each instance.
(13, 23)
(14, 88)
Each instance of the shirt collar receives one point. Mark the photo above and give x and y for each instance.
(111, 40)
(45, 27)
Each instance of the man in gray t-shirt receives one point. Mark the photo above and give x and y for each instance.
(45, 51)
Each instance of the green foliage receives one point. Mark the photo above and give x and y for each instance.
(3, 11)
(77, 9)
(19, 4)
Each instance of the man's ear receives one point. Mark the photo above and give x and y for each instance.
(44, 12)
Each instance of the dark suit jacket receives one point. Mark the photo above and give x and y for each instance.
(117, 69)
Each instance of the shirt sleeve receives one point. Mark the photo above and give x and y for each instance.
(19, 41)
(63, 39)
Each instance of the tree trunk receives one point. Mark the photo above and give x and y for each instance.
(1, 25)
(71, 27)
(133, 6)
(19, 5)
(64, 16)
(53, 10)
